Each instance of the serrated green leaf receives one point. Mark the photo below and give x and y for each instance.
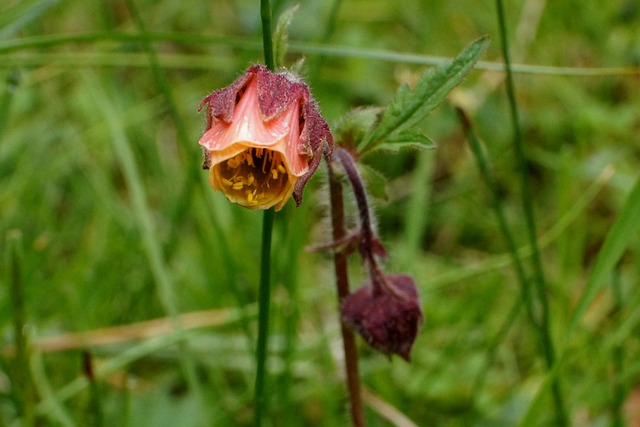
(410, 136)
(281, 34)
(397, 146)
(410, 106)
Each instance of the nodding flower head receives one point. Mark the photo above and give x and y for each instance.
(387, 315)
(264, 139)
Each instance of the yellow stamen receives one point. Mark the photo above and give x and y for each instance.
(249, 158)
(245, 181)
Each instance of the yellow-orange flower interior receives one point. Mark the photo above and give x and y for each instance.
(256, 162)
(254, 178)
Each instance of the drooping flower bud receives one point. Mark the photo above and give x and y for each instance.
(264, 139)
(387, 316)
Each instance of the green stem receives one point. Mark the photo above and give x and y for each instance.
(267, 39)
(264, 300)
(527, 204)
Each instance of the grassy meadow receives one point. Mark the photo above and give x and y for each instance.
(128, 287)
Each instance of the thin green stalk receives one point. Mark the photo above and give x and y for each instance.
(95, 412)
(623, 232)
(503, 260)
(253, 44)
(619, 389)
(149, 240)
(24, 385)
(290, 311)
(52, 406)
(192, 176)
(527, 204)
(417, 217)
(267, 38)
(264, 298)
(314, 70)
(11, 83)
(264, 301)
(492, 347)
(485, 171)
(516, 256)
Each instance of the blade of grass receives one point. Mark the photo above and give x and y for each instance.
(417, 217)
(143, 218)
(23, 381)
(135, 331)
(192, 176)
(167, 337)
(623, 232)
(527, 206)
(212, 235)
(51, 405)
(617, 357)
(115, 364)
(252, 44)
(11, 83)
(516, 258)
(613, 350)
(21, 15)
(559, 228)
(96, 411)
(483, 165)
(317, 61)
(288, 269)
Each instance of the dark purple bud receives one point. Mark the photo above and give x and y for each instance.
(387, 317)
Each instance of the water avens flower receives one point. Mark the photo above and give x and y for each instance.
(264, 139)
(387, 315)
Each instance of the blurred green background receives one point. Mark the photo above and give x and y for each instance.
(107, 221)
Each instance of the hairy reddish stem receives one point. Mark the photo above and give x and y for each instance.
(370, 247)
(342, 285)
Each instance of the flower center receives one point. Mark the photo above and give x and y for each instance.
(257, 177)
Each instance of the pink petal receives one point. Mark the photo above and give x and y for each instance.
(248, 129)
